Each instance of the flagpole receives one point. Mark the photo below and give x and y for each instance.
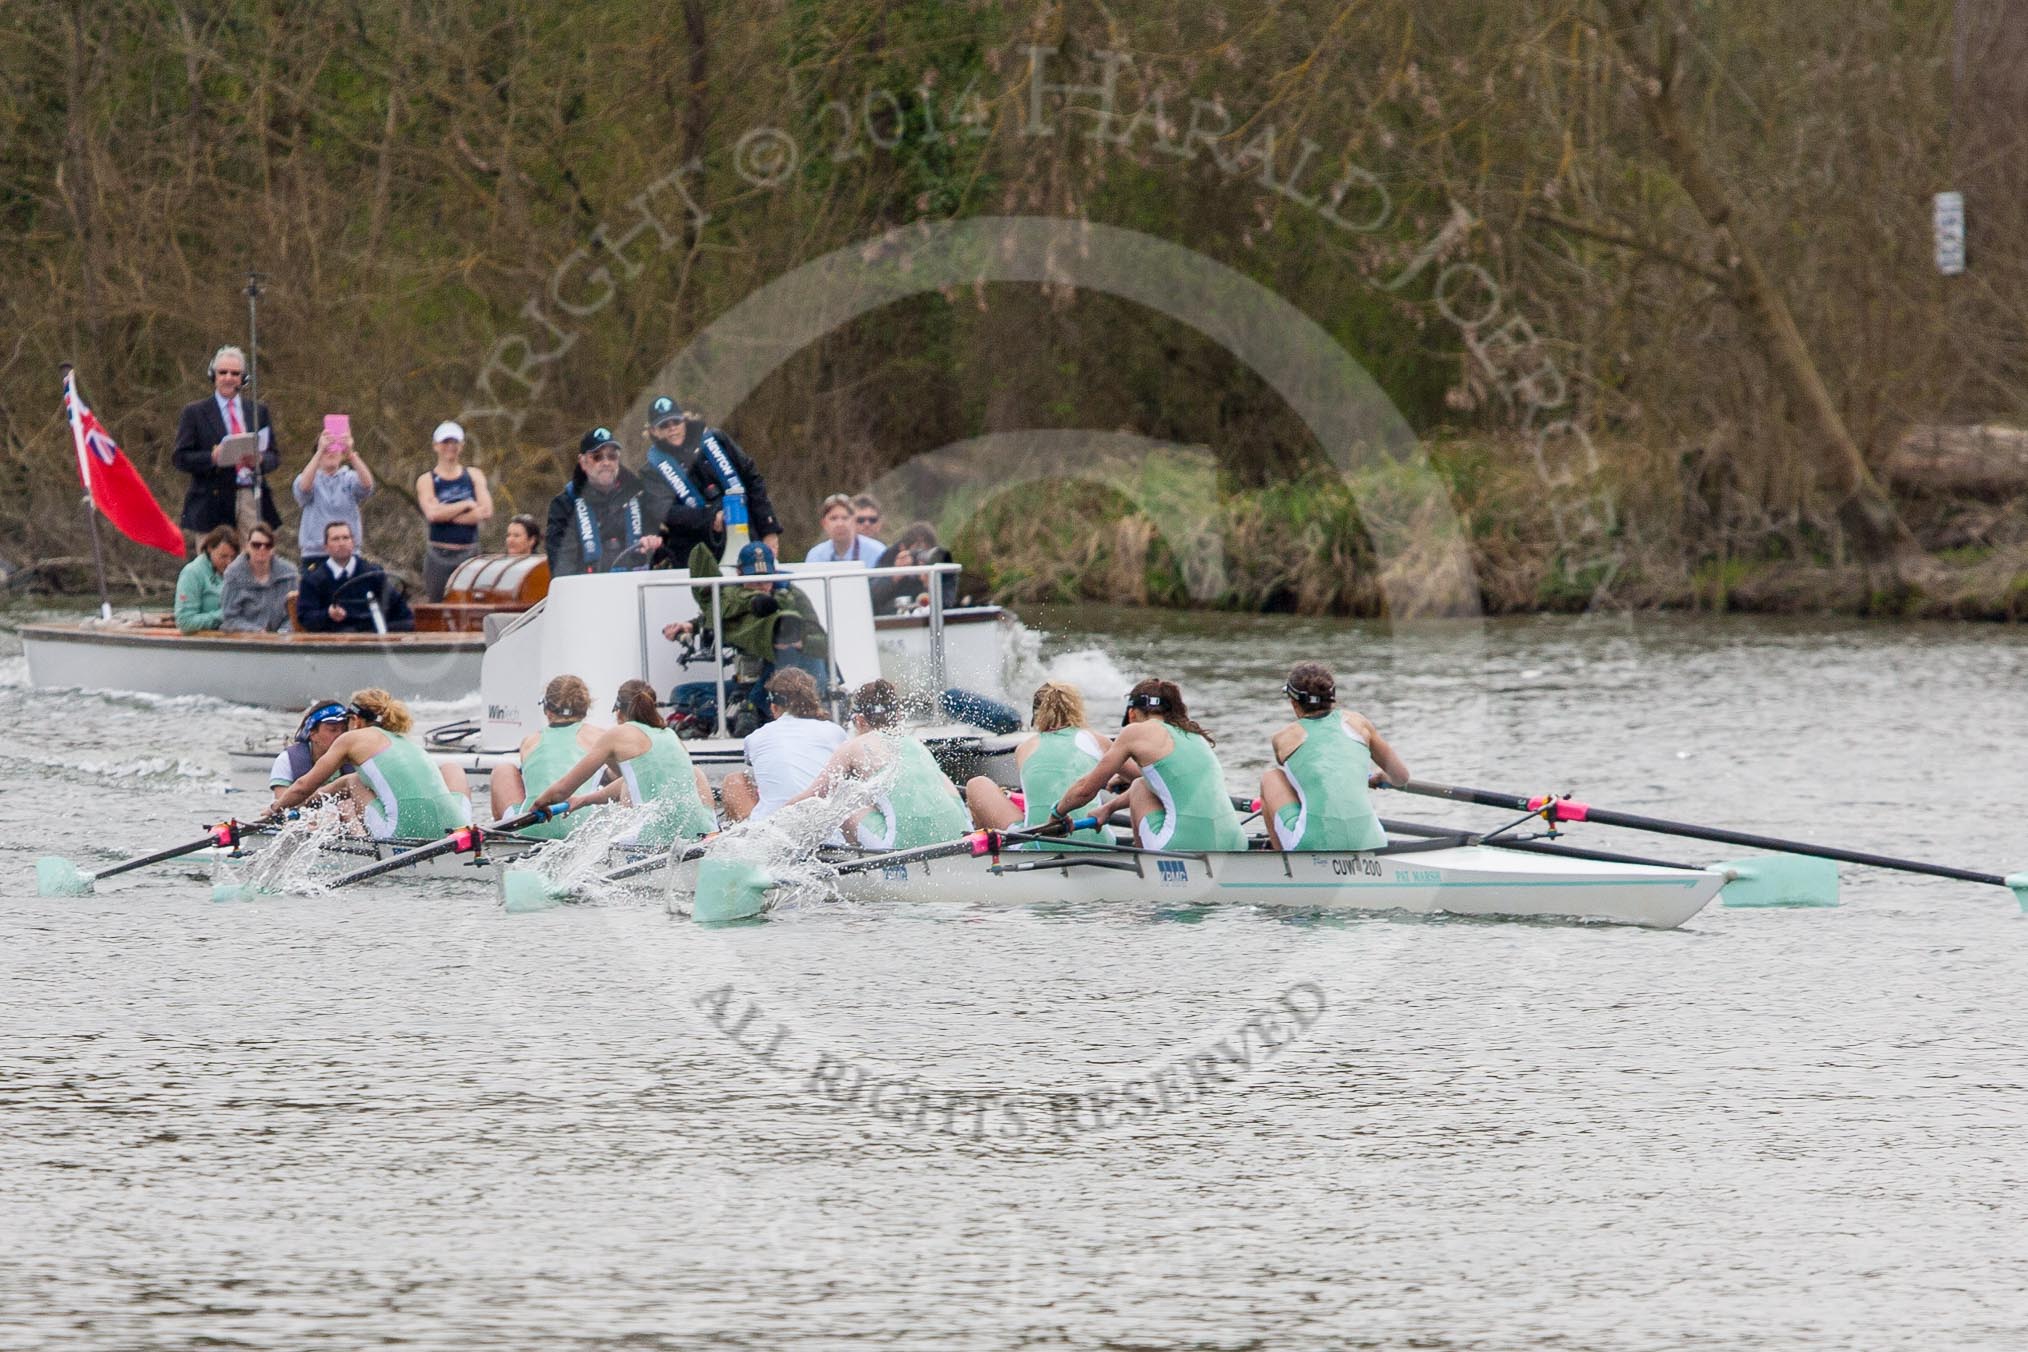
(253, 356)
(91, 504)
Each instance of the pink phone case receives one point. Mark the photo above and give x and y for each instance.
(338, 425)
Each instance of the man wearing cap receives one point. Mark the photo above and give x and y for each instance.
(598, 523)
(455, 501)
(691, 470)
(768, 623)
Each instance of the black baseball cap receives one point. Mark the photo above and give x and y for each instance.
(661, 409)
(594, 439)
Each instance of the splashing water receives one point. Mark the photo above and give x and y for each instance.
(295, 859)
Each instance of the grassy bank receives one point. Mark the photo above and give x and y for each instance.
(1478, 527)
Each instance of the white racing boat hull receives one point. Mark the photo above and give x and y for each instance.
(1464, 880)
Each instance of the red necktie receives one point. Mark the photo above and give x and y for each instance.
(232, 408)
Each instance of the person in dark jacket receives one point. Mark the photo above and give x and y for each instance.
(691, 468)
(599, 523)
(222, 495)
(337, 592)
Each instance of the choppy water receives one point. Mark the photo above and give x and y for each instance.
(403, 1116)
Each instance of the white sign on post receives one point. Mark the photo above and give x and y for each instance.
(1950, 233)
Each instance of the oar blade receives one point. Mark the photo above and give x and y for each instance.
(58, 877)
(2017, 883)
(234, 891)
(525, 890)
(1780, 880)
(729, 890)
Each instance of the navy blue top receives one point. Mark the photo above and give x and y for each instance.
(449, 491)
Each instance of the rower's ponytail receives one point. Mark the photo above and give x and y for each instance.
(1058, 705)
(1165, 699)
(636, 704)
(878, 703)
(1311, 685)
(382, 710)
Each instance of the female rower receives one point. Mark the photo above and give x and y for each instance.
(1316, 796)
(1061, 750)
(547, 755)
(917, 805)
(1177, 797)
(650, 768)
(396, 790)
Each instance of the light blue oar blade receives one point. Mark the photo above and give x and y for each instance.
(1780, 880)
(728, 890)
(525, 889)
(2017, 883)
(58, 877)
(230, 891)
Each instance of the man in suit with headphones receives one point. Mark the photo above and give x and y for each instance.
(226, 495)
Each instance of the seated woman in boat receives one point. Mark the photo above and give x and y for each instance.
(1316, 796)
(523, 533)
(916, 804)
(547, 755)
(396, 791)
(1062, 750)
(785, 756)
(200, 586)
(254, 594)
(1177, 791)
(650, 768)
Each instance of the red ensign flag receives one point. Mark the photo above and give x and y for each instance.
(112, 482)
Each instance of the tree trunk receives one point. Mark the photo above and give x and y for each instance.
(1864, 509)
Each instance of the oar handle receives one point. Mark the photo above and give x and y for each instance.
(462, 840)
(1570, 810)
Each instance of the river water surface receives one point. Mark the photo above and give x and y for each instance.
(403, 1116)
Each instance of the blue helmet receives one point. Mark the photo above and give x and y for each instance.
(331, 711)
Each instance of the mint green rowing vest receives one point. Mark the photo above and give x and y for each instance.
(1059, 760)
(1333, 808)
(556, 750)
(920, 807)
(412, 800)
(663, 776)
(1196, 811)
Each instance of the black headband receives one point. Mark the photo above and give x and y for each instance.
(1310, 699)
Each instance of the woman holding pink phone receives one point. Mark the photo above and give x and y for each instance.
(330, 488)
